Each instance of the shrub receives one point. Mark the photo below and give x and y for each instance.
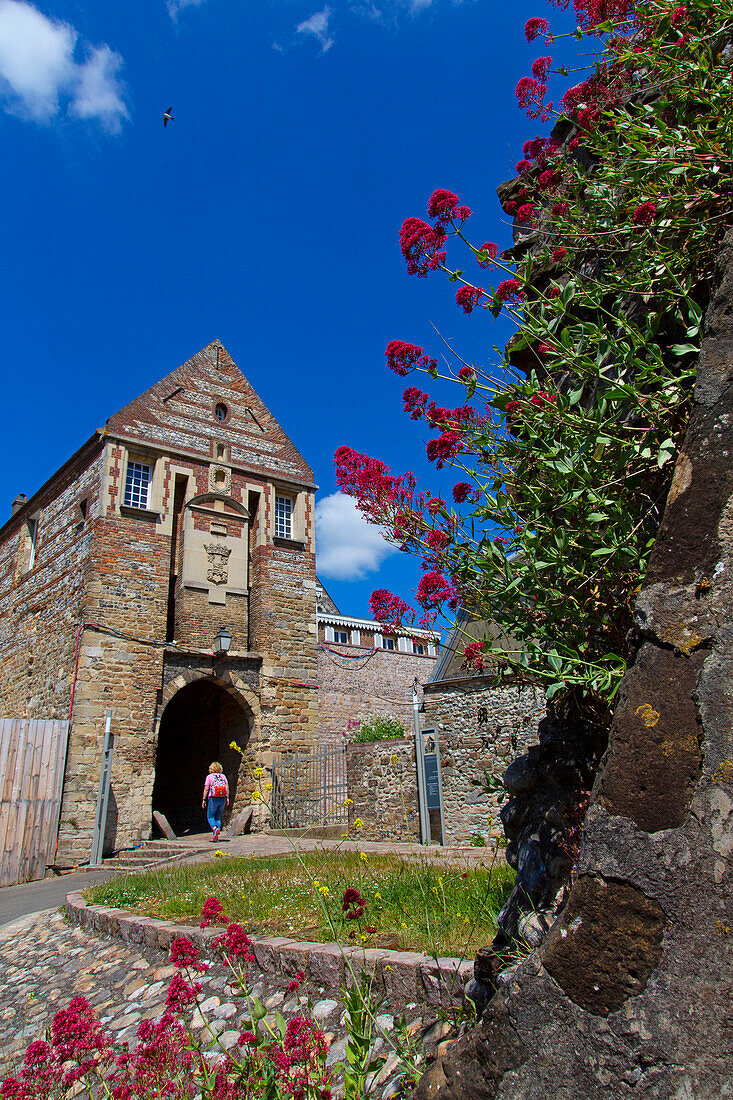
(380, 727)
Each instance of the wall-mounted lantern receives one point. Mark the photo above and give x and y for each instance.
(222, 642)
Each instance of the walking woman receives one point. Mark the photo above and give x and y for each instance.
(216, 798)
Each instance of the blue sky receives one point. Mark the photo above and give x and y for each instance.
(266, 215)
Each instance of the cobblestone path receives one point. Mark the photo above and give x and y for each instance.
(45, 961)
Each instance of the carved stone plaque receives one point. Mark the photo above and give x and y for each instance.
(218, 570)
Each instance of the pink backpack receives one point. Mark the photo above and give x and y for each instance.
(219, 785)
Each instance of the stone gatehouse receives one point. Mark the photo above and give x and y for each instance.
(189, 511)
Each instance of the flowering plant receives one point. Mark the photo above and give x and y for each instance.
(567, 444)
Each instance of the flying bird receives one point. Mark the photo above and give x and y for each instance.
(168, 117)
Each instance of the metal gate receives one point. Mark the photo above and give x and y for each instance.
(32, 758)
(309, 789)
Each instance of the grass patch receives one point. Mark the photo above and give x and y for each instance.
(412, 904)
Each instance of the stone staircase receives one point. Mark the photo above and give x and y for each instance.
(150, 854)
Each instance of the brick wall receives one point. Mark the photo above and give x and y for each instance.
(378, 684)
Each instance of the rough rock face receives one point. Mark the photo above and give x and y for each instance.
(631, 994)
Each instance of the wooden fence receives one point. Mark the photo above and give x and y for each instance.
(32, 760)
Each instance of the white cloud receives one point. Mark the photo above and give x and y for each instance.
(174, 6)
(38, 70)
(98, 91)
(317, 25)
(347, 547)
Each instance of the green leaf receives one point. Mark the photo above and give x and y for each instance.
(684, 349)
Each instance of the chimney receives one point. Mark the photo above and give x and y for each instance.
(18, 503)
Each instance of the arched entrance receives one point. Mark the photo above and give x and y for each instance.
(197, 726)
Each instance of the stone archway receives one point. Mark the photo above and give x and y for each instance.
(201, 718)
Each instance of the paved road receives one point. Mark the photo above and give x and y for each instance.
(48, 893)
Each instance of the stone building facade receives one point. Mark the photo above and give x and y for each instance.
(191, 510)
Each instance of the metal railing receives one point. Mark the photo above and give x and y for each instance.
(309, 789)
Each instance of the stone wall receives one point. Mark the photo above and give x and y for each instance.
(479, 727)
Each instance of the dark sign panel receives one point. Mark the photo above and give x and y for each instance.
(432, 782)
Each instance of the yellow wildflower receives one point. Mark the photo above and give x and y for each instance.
(323, 891)
(363, 857)
(316, 883)
(268, 786)
(235, 746)
(403, 925)
(344, 836)
(377, 897)
(258, 773)
(256, 796)
(388, 967)
(348, 802)
(358, 823)
(394, 757)
(219, 854)
(467, 920)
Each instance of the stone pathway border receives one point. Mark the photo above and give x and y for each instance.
(402, 976)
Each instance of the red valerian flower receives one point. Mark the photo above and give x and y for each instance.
(548, 179)
(461, 490)
(247, 1038)
(510, 207)
(434, 590)
(293, 986)
(180, 994)
(644, 214)
(185, 955)
(509, 290)
(679, 15)
(352, 903)
(414, 402)
(523, 166)
(559, 254)
(534, 27)
(500, 540)
(491, 250)
(541, 67)
(422, 246)
(531, 94)
(370, 929)
(387, 608)
(544, 350)
(541, 398)
(403, 358)
(467, 297)
(532, 148)
(467, 374)
(436, 540)
(560, 209)
(473, 655)
(236, 942)
(527, 213)
(511, 408)
(555, 292)
(212, 912)
(444, 207)
(444, 448)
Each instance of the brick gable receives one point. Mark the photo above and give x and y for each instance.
(177, 414)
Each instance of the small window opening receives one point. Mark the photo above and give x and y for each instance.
(32, 533)
(283, 517)
(340, 637)
(220, 450)
(83, 505)
(220, 411)
(219, 477)
(137, 484)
